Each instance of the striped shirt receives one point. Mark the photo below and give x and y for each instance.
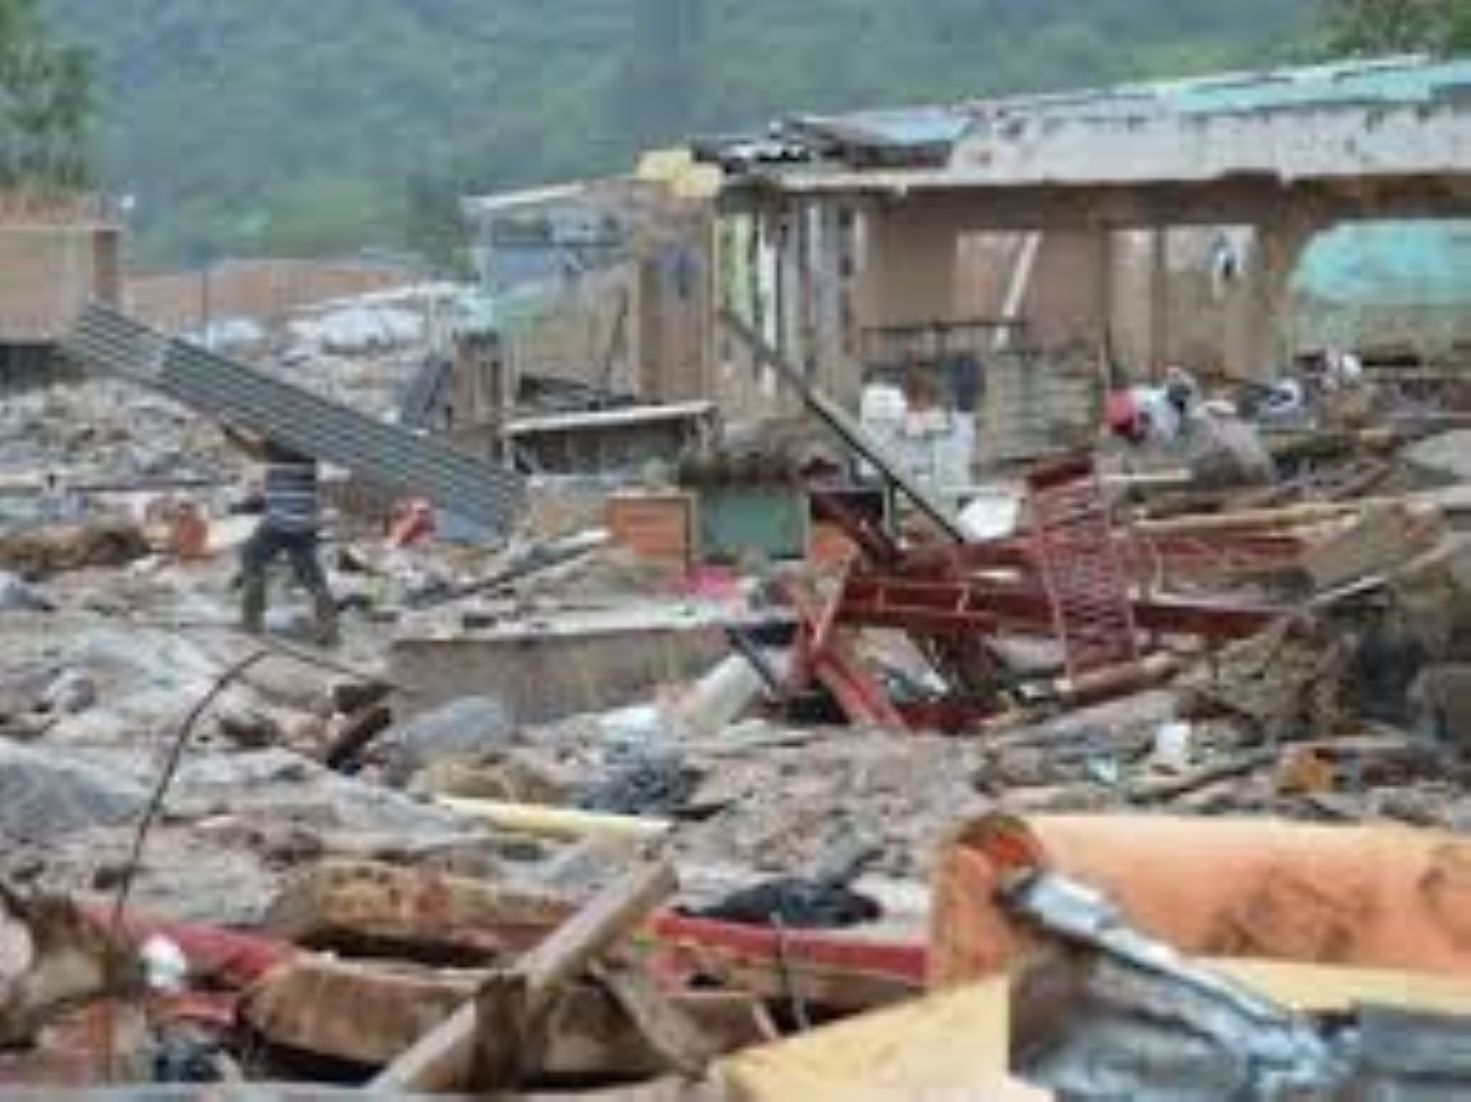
(291, 496)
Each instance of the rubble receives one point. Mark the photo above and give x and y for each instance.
(17, 596)
(46, 551)
(749, 723)
(44, 795)
(461, 729)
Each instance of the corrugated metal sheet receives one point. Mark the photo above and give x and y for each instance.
(109, 342)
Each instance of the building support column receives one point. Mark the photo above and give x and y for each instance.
(1159, 301)
(1278, 248)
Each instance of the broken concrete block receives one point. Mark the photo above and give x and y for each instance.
(368, 1013)
(417, 913)
(44, 795)
(465, 728)
(246, 726)
(364, 1013)
(282, 788)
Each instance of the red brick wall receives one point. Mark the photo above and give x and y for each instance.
(265, 290)
(48, 272)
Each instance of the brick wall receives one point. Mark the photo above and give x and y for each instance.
(265, 290)
(48, 272)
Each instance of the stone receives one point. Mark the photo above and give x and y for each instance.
(1440, 704)
(18, 596)
(291, 622)
(282, 788)
(411, 914)
(1444, 459)
(72, 693)
(245, 726)
(44, 795)
(56, 550)
(1432, 596)
(466, 728)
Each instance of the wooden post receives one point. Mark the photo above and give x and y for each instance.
(1159, 302)
(1103, 276)
(514, 1000)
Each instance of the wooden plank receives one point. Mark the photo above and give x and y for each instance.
(674, 1034)
(847, 429)
(556, 822)
(441, 1059)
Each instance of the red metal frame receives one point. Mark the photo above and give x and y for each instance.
(1081, 568)
(1077, 579)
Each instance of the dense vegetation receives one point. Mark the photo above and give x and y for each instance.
(311, 125)
(45, 103)
(1383, 26)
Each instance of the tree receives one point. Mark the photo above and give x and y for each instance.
(45, 103)
(1400, 26)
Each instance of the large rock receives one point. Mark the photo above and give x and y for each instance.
(280, 788)
(44, 795)
(469, 727)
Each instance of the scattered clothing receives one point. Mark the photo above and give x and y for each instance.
(797, 904)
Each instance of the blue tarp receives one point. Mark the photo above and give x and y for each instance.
(1390, 264)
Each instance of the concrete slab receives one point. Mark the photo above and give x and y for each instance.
(566, 664)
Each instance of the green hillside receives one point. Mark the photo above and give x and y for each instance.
(309, 125)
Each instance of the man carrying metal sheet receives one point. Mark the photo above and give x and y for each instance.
(289, 526)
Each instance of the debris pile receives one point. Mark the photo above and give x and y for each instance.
(722, 760)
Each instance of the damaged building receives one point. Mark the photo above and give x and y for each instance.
(1054, 245)
(762, 660)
